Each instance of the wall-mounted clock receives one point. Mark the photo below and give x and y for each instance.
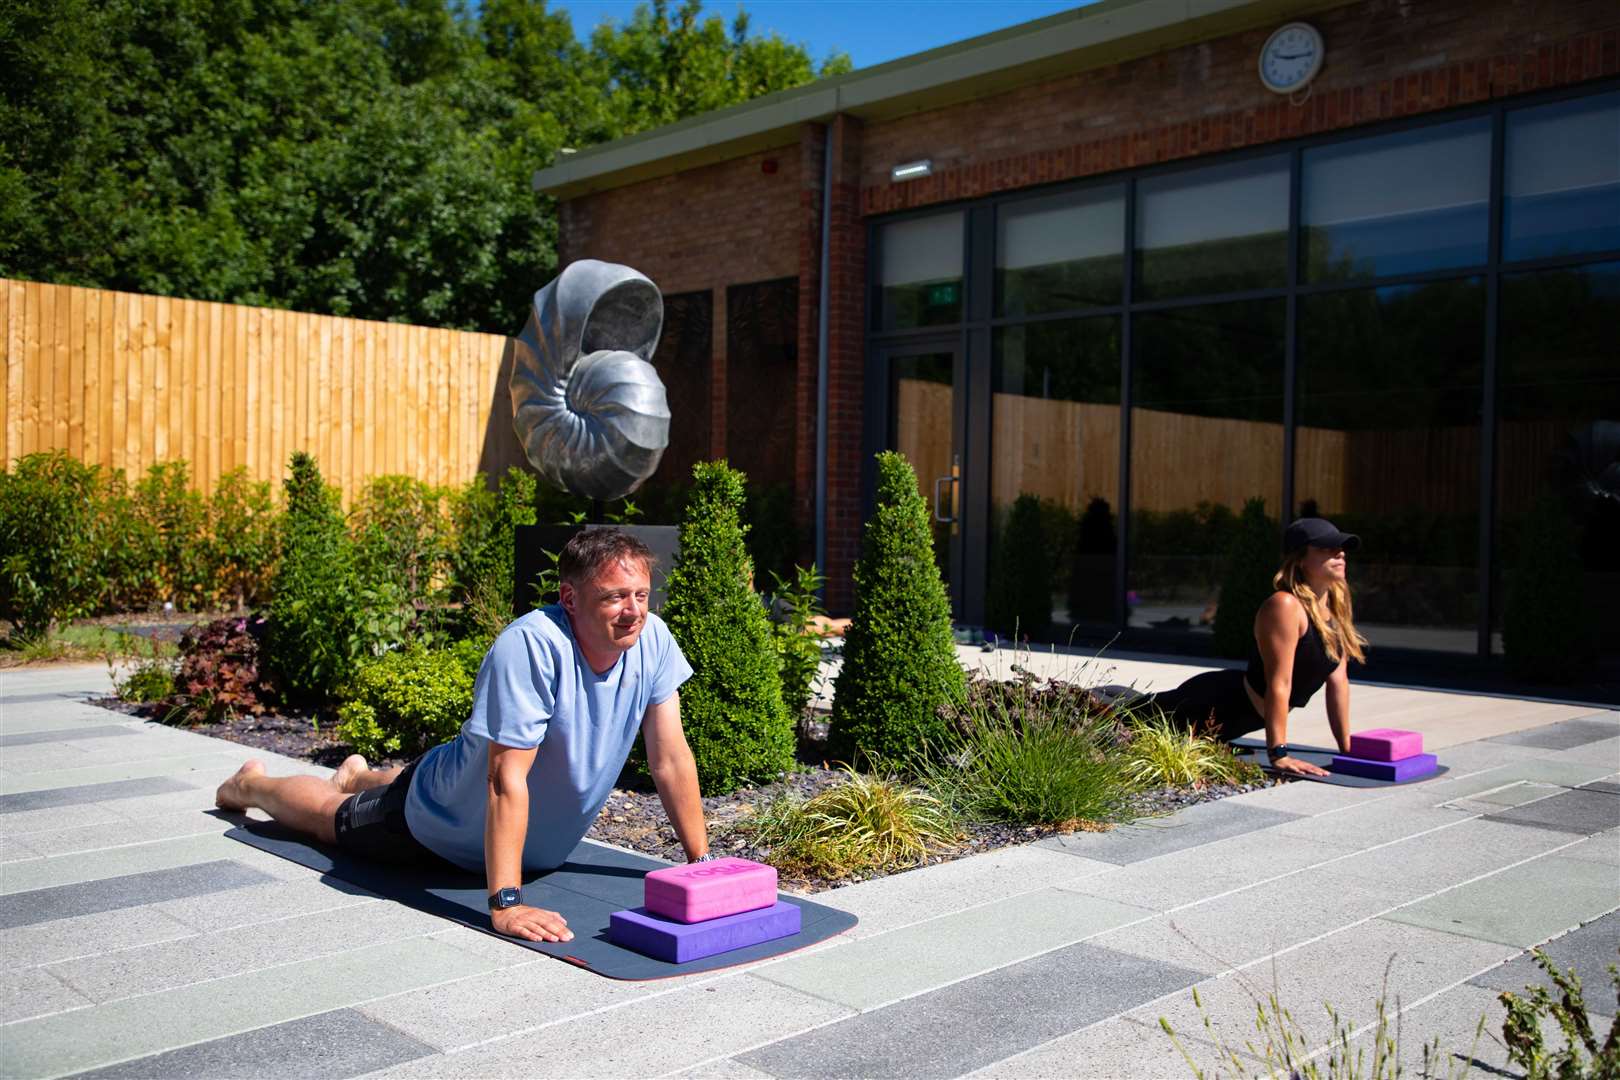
(1290, 58)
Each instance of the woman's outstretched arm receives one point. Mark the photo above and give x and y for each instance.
(1277, 628)
(1338, 704)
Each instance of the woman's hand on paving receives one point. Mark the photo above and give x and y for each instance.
(531, 923)
(1297, 767)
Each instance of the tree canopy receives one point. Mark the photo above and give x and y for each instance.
(368, 158)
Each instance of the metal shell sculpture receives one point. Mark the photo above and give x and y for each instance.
(587, 404)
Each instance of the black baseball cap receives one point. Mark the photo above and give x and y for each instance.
(1317, 532)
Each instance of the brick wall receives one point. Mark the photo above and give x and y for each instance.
(846, 358)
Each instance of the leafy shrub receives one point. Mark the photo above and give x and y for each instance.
(407, 701)
(402, 535)
(1162, 753)
(795, 602)
(1548, 625)
(151, 679)
(732, 707)
(50, 542)
(1582, 1055)
(241, 539)
(774, 535)
(868, 823)
(131, 563)
(1030, 754)
(177, 518)
(222, 672)
(484, 520)
(1251, 563)
(899, 656)
(1020, 598)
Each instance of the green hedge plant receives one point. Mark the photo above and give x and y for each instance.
(50, 542)
(795, 601)
(407, 701)
(1021, 585)
(1251, 563)
(178, 518)
(131, 562)
(241, 540)
(402, 535)
(481, 561)
(900, 663)
(732, 709)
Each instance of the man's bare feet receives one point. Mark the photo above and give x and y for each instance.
(232, 794)
(353, 766)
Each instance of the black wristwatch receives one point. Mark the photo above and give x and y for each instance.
(505, 898)
(1278, 751)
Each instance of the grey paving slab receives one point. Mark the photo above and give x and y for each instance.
(1349, 970)
(1199, 873)
(877, 970)
(124, 831)
(1523, 905)
(1602, 848)
(1561, 770)
(1240, 928)
(1565, 734)
(1605, 753)
(205, 768)
(30, 738)
(658, 1034)
(943, 1033)
(83, 815)
(274, 900)
(1579, 811)
(127, 890)
(1306, 798)
(89, 935)
(30, 992)
(138, 858)
(224, 953)
(903, 899)
(50, 798)
(1602, 785)
(1517, 793)
(1421, 865)
(330, 1044)
(1360, 827)
(1589, 949)
(1113, 1049)
(13, 849)
(724, 1069)
(59, 759)
(1201, 824)
(137, 1027)
(43, 757)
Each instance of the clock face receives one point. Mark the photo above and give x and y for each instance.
(1291, 58)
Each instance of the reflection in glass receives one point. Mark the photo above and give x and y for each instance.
(920, 272)
(1387, 446)
(1562, 178)
(1559, 435)
(1061, 252)
(1397, 204)
(1217, 229)
(1206, 436)
(920, 429)
(1054, 442)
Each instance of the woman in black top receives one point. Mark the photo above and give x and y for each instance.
(1304, 636)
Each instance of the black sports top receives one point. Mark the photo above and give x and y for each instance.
(1312, 666)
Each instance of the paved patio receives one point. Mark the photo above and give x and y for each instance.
(138, 941)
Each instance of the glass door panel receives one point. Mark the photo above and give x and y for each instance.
(922, 427)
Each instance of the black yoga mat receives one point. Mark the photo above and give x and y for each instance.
(595, 882)
(1254, 751)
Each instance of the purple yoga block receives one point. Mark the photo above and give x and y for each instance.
(678, 942)
(1409, 768)
(1386, 744)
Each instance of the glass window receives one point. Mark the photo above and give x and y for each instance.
(1206, 436)
(920, 272)
(1054, 442)
(1061, 252)
(1397, 204)
(1218, 229)
(1558, 441)
(1562, 178)
(1387, 445)
(920, 397)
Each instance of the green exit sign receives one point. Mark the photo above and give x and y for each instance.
(947, 295)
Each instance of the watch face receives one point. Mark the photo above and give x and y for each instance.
(1291, 57)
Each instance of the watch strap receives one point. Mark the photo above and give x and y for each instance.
(502, 899)
(1278, 751)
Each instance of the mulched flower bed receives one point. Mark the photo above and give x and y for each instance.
(635, 819)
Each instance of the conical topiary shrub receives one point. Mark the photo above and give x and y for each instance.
(732, 709)
(899, 656)
(1021, 587)
(1251, 563)
(1547, 620)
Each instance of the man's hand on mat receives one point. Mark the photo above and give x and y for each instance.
(531, 923)
(1297, 767)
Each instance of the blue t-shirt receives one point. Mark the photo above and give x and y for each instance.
(535, 689)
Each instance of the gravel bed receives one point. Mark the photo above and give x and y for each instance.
(635, 818)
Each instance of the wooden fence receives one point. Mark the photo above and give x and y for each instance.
(126, 381)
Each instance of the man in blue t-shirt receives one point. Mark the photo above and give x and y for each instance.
(556, 707)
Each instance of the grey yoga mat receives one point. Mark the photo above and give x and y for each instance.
(1254, 750)
(595, 882)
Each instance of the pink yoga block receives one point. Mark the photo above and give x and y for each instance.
(1386, 744)
(710, 890)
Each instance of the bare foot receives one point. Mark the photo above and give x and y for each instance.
(353, 766)
(231, 794)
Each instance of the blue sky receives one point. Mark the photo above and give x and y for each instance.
(870, 31)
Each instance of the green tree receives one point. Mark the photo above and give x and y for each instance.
(49, 542)
(1251, 563)
(732, 706)
(899, 655)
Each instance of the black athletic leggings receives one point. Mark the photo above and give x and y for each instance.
(1212, 703)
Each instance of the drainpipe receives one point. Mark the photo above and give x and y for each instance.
(821, 355)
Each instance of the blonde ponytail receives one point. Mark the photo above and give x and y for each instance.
(1336, 626)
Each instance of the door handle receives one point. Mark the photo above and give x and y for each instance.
(940, 481)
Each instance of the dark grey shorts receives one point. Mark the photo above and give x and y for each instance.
(372, 825)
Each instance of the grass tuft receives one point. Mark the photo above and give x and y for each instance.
(1162, 753)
